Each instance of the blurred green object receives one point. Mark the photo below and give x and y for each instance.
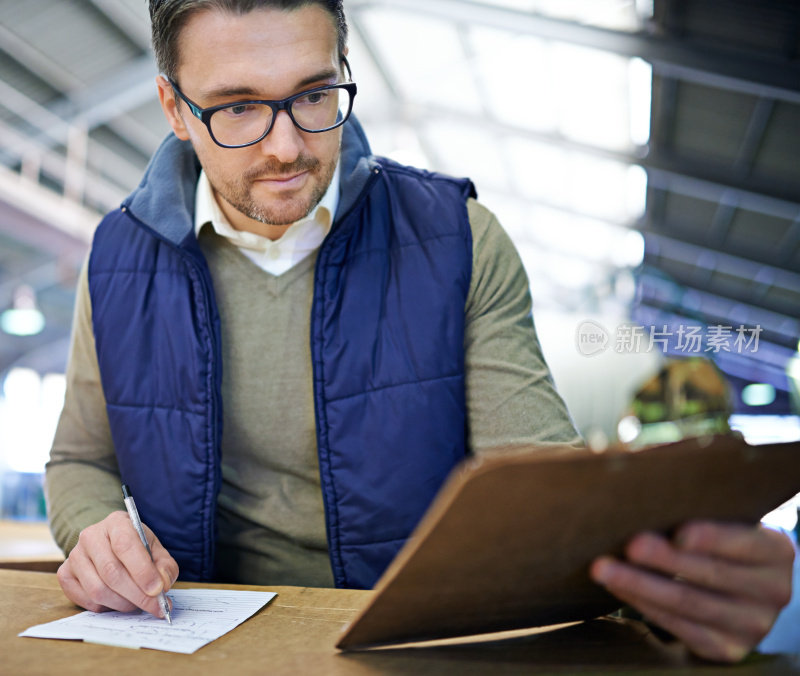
(686, 398)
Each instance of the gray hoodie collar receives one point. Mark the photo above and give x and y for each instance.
(164, 200)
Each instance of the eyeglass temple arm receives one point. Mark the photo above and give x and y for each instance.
(347, 66)
(192, 106)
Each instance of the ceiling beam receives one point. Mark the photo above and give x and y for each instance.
(101, 103)
(34, 61)
(692, 280)
(135, 25)
(713, 184)
(663, 109)
(52, 126)
(675, 249)
(110, 99)
(754, 74)
(661, 291)
(29, 197)
(28, 226)
(788, 248)
(743, 165)
(754, 135)
(98, 190)
(772, 259)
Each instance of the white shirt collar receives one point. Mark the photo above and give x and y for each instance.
(275, 256)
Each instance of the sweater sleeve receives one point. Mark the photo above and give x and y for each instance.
(82, 483)
(511, 399)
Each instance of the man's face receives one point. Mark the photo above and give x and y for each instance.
(265, 54)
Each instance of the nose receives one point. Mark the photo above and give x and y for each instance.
(284, 141)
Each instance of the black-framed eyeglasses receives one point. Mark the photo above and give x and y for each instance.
(244, 123)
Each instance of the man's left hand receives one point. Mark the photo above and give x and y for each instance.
(716, 587)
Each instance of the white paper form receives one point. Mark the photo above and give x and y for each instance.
(199, 616)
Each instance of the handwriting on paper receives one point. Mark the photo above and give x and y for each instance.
(199, 616)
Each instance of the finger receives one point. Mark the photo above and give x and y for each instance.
(759, 582)
(165, 564)
(123, 564)
(128, 548)
(731, 616)
(736, 542)
(83, 586)
(704, 641)
(73, 591)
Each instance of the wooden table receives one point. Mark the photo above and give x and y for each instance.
(28, 545)
(296, 634)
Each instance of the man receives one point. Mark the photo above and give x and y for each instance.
(258, 457)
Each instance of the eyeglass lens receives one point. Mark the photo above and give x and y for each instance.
(239, 124)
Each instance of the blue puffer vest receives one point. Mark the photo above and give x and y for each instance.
(387, 332)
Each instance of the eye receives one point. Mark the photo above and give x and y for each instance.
(313, 99)
(239, 109)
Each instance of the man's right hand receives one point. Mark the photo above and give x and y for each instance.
(110, 569)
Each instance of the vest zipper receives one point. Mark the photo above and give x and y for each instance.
(208, 568)
(326, 478)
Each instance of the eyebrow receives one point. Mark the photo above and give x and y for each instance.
(224, 91)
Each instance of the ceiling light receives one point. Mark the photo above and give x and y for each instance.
(23, 318)
(758, 394)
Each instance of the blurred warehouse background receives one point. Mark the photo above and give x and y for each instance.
(642, 154)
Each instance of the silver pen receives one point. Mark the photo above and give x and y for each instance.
(130, 505)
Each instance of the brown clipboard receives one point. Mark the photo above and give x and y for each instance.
(508, 540)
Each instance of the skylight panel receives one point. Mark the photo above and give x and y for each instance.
(576, 181)
(592, 95)
(468, 150)
(517, 74)
(425, 57)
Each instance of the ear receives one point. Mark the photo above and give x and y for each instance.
(169, 105)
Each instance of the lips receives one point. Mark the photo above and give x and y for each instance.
(292, 180)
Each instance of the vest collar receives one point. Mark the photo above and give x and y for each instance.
(171, 178)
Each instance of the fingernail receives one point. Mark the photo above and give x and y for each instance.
(645, 547)
(602, 570)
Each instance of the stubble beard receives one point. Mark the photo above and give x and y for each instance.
(288, 210)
